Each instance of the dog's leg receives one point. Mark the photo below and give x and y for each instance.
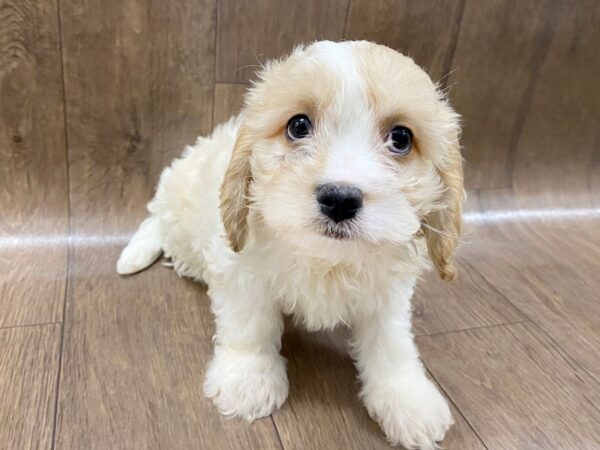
(395, 389)
(143, 249)
(246, 377)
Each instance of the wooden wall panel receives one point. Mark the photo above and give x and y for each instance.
(28, 371)
(139, 84)
(425, 30)
(252, 31)
(33, 173)
(500, 49)
(555, 161)
(228, 101)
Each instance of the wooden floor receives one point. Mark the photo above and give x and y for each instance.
(93, 105)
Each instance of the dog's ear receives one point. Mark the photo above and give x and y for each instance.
(235, 192)
(443, 226)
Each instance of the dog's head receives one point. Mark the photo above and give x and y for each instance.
(348, 143)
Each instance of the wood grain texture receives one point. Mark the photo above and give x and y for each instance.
(537, 235)
(135, 349)
(228, 101)
(407, 26)
(516, 388)
(513, 341)
(323, 409)
(548, 271)
(498, 54)
(152, 96)
(133, 365)
(469, 301)
(555, 159)
(252, 31)
(28, 371)
(33, 174)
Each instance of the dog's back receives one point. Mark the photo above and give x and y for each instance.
(185, 210)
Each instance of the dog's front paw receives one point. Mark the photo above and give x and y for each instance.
(411, 412)
(248, 385)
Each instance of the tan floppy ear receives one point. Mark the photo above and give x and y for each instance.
(235, 192)
(444, 225)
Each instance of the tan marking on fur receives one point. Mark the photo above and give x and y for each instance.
(235, 191)
(447, 222)
(408, 97)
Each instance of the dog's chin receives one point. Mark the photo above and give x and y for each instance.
(323, 236)
(338, 231)
(338, 235)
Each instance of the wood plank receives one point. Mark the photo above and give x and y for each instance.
(153, 95)
(33, 172)
(555, 157)
(323, 409)
(135, 353)
(406, 26)
(252, 31)
(546, 268)
(467, 302)
(500, 48)
(515, 388)
(228, 101)
(561, 297)
(28, 371)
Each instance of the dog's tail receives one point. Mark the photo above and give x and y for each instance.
(144, 248)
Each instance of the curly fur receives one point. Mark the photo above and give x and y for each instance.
(238, 211)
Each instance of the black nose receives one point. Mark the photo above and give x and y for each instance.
(339, 201)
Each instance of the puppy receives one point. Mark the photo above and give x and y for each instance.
(321, 199)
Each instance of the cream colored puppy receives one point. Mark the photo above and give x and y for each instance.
(320, 200)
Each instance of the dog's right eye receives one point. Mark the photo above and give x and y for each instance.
(298, 127)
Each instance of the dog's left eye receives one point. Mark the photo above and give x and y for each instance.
(298, 127)
(400, 140)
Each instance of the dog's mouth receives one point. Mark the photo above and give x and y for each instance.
(341, 231)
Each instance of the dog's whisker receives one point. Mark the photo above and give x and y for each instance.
(440, 232)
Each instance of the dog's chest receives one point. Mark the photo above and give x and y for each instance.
(325, 296)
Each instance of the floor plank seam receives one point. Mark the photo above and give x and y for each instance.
(69, 229)
(573, 363)
(478, 327)
(529, 319)
(277, 433)
(61, 350)
(498, 291)
(569, 360)
(29, 325)
(456, 406)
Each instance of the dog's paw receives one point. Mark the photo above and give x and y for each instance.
(412, 413)
(247, 385)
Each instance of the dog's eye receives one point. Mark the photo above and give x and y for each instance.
(400, 140)
(298, 127)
